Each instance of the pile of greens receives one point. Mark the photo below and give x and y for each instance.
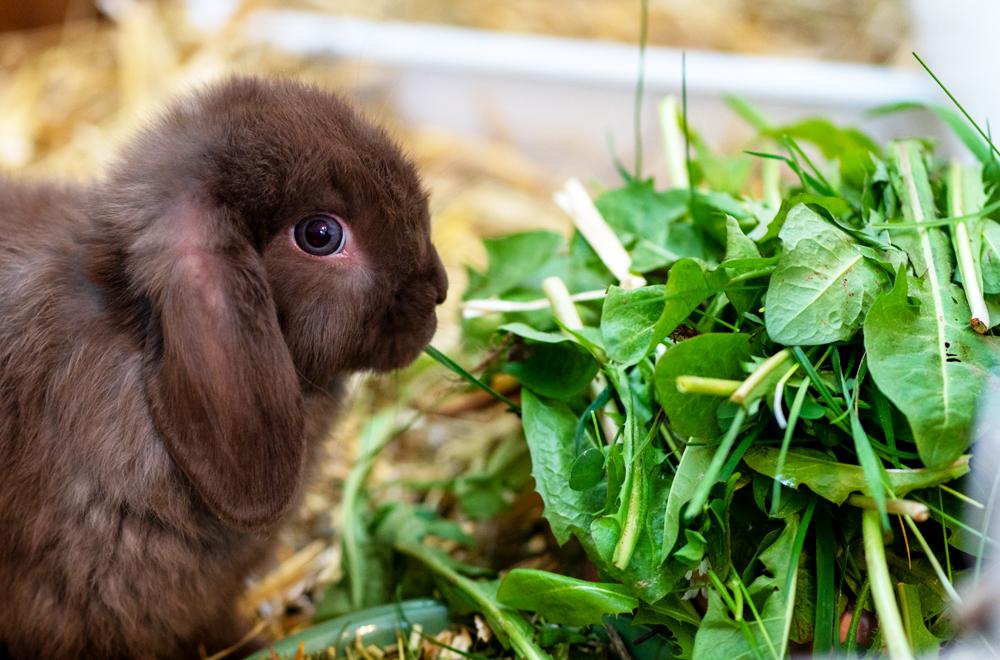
(747, 401)
(744, 427)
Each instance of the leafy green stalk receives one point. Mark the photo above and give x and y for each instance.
(505, 621)
(376, 434)
(631, 516)
(890, 621)
(966, 195)
(632, 519)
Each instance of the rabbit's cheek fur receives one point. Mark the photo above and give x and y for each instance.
(345, 316)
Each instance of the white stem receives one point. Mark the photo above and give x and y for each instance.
(574, 200)
(562, 303)
(565, 311)
(673, 144)
(483, 306)
(971, 281)
(770, 180)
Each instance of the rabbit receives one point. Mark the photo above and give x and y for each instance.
(173, 343)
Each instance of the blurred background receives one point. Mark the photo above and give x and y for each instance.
(498, 102)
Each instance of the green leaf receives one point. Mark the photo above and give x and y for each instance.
(921, 639)
(835, 206)
(554, 370)
(823, 284)
(687, 287)
(638, 209)
(526, 331)
(715, 355)
(742, 257)
(549, 428)
(832, 141)
(694, 463)
(683, 241)
(927, 360)
(990, 257)
(562, 599)
(738, 246)
(512, 259)
(720, 636)
(628, 321)
(835, 481)
(588, 469)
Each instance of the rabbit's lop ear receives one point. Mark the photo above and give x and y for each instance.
(219, 377)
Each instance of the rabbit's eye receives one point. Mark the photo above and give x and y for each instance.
(320, 235)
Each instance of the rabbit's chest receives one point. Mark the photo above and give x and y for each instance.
(105, 579)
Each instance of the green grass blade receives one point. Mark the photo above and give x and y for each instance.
(874, 470)
(456, 368)
(700, 496)
(786, 441)
(958, 125)
(958, 105)
(792, 576)
(640, 86)
(748, 113)
(826, 597)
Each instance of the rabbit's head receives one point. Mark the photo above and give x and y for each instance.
(272, 239)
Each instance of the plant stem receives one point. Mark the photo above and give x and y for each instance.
(511, 623)
(757, 377)
(673, 144)
(479, 307)
(770, 179)
(935, 564)
(632, 524)
(890, 622)
(576, 202)
(700, 497)
(909, 508)
(962, 199)
(705, 385)
(565, 312)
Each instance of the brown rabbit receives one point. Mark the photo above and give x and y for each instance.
(171, 345)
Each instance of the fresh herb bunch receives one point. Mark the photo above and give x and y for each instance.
(745, 394)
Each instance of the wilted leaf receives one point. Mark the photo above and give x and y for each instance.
(835, 481)
(562, 599)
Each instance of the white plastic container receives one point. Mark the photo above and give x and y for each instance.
(564, 101)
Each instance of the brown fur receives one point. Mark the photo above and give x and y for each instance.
(169, 361)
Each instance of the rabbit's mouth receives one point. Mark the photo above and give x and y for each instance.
(409, 327)
(405, 346)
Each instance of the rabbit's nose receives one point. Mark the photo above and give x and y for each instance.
(440, 278)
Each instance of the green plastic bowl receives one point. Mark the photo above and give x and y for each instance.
(376, 625)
